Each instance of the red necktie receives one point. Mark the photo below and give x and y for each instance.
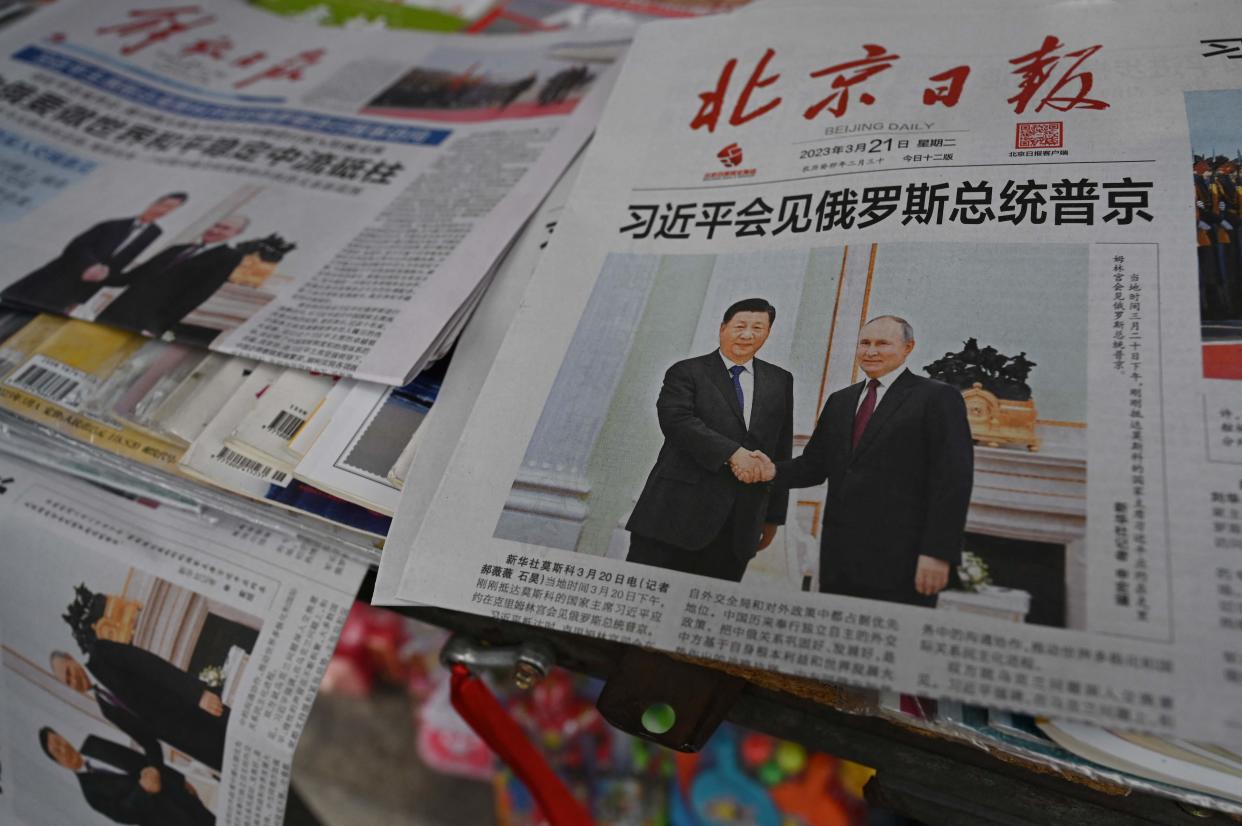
(864, 411)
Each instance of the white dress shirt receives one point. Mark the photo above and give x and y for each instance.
(136, 230)
(747, 379)
(886, 381)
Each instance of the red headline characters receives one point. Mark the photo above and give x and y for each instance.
(1047, 78)
(848, 74)
(952, 82)
(288, 69)
(1036, 68)
(213, 47)
(156, 25)
(713, 101)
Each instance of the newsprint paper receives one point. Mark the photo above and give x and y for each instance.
(894, 347)
(317, 198)
(158, 667)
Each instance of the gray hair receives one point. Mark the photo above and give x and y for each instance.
(907, 331)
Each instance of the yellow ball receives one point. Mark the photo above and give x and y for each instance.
(791, 757)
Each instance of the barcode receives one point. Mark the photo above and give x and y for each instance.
(48, 384)
(285, 425)
(247, 465)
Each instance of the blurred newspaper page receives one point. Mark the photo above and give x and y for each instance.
(954, 267)
(159, 667)
(6, 760)
(475, 354)
(324, 199)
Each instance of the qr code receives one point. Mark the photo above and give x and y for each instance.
(1046, 135)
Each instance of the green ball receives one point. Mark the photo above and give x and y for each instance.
(770, 774)
(659, 718)
(791, 757)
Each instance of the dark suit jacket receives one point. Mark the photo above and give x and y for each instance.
(161, 701)
(691, 490)
(58, 284)
(902, 493)
(163, 290)
(111, 787)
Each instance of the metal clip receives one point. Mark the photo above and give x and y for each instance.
(530, 662)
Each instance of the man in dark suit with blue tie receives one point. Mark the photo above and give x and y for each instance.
(717, 412)
(897, 453)
(101, 252)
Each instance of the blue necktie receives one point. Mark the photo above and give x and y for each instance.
(736, 371)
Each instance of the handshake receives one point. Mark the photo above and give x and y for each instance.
(751, 466)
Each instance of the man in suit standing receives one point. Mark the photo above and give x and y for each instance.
(144, 695)
(897, 453)
(103, 250)
(128, 786)
(163, 290)
(694, 515)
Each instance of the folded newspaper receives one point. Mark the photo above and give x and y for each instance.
(329, 200)
(943, 265)
(158, 667)
(179, 415)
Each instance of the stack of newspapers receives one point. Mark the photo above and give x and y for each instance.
(235, 272)
(869, 346)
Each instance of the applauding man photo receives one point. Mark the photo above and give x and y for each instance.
(704, 509)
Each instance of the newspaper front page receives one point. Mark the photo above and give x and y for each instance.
(321, 199)
(157, 667)
(891, 347)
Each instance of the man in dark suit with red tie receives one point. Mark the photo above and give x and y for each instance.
(166, 288)
(146, 696)
(898, 456)
(101, 252)
(717, 412)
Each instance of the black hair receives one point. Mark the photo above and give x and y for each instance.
(749, 305)
(180, 196)
(45, 736)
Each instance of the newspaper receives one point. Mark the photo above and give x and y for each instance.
(167, 661)
(267, 429)
(323, 199)
(6, 760)
(541, 15)
(476, 352)
(351, 459)
(997, 319)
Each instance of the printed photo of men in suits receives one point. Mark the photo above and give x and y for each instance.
(897, 453)
(164, 289)
(148, 697)
(717, 412)
(126, 785)
(100, 253)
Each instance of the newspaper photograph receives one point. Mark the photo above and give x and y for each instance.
(275, 189)
(876, 359)
(159, 668)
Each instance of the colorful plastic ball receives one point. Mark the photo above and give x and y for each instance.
(791, 757)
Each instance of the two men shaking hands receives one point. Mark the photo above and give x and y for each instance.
(895, 449)
(751, 466)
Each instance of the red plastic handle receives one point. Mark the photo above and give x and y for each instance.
(477, 705)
